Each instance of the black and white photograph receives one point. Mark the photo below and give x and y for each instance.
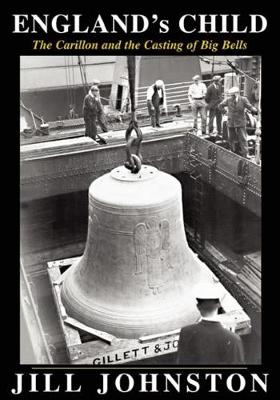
(140, 210)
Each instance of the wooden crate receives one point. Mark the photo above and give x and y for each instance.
(86, 345)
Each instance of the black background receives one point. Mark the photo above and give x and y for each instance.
(14, 45)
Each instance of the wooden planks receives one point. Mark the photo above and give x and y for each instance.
(250, 274)
(32, 336)
(102, 348)
(230, 273)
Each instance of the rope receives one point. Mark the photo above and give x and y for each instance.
(82, 76)
(259, 121)
(213, 67)
(85, 74)
(71, 82)
(67, 79)
(239, 71)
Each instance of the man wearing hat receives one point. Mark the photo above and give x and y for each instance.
(197, 92)
(96, 82)
(208, 342)
(236, 105)
(213, 98)
(156, 97)
(93, 112)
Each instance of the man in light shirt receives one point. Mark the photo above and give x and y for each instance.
(156, 97)
(197, 93)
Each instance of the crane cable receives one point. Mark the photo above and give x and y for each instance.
(84, 69)
(67, 79)
(82, 75)
(259, 121)
(70, 81)
(213, 67)
(73, 93)
(134, 160)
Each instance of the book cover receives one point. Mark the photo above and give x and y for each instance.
(140, 155)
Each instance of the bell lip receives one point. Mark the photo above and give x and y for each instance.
(133, 325)
(71, 296)
(158, 312)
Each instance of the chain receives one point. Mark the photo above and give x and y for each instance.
(134, 160)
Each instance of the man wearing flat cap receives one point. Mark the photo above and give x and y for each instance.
(213, 98)
(196, 94)
(93, 113)
(208, 342)
(96, 82)
(237, 105)
(156, 97)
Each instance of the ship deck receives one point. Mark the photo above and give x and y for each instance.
(55, 176)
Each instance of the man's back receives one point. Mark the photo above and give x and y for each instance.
(208, 343)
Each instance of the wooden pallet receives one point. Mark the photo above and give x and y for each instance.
(86, 345)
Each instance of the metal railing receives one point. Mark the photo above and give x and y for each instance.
(176, 92)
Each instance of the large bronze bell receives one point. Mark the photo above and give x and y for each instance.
(137, 274)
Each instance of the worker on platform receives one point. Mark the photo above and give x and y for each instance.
(93, 113)
(236, 123)
(156, 97)
(208, 342)
(196, 94)
(213, 98)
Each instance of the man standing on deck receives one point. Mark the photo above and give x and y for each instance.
(197, 92)
(208, 342)
(93, 112)
(236, 123)
(213, 99)
(156, 97)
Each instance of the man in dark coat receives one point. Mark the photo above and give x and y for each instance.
(93, 113)
(213, 98)
(236, 105)
(208, 342)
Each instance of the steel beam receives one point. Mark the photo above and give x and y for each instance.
(70, 165)
(236, 177)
